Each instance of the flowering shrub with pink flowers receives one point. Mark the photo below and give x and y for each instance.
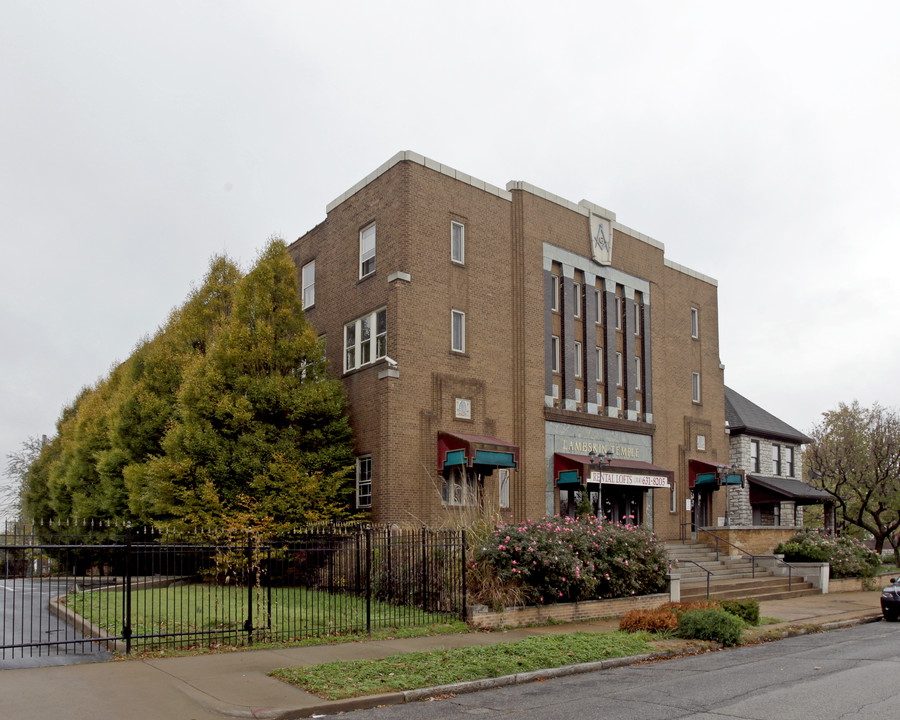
(848, 556)
(560, 559)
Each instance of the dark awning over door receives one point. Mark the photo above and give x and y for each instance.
(774, 489)
(475, 450)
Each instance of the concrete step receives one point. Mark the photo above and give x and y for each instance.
(761, 588)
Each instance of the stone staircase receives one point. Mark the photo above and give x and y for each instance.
(732, 577)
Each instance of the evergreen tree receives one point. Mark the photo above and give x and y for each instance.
(260, 428)
(225, 415)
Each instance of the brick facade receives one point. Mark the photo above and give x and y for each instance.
(519, 244)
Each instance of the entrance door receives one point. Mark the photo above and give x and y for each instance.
(623, 504)
(701, 508)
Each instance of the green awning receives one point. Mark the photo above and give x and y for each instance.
(475, 450)
(569, 479)
(710, 479)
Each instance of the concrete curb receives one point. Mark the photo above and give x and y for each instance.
(331, 707)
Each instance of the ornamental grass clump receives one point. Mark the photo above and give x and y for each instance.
(561, 559)
(847, 556)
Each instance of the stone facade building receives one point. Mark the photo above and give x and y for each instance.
(512, 353)
(770, 453)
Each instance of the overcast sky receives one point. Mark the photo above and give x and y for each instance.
(758, 141)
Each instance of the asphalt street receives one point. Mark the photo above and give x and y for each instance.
(850, 673)
(32, 636)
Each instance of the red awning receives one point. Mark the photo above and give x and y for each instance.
(579, 466)
(472, 450)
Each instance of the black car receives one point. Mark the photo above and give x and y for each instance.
(890, 601)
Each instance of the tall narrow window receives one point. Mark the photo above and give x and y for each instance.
(554, 301)
(776, 459)
(367, 251)
(457, 242)
(578, 359)
(695, 323)
(637, 373)
(503, 482)
(620, 371)
(554, 353)
(754, 455)
(599, 296)
(308, 284)
(458, 331)
(364, 481)
(365, 340)
(599, 365)
(673, 504)
(637, 319)
(619, 313)
(695, 387)
(789, 462)
(576, 291)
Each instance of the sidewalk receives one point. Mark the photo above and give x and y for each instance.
(236, 685)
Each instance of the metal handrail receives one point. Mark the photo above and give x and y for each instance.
(709, 573)
(741, 550)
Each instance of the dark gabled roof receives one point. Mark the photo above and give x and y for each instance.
(744, 416)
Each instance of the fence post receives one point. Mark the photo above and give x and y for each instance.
(127, 631)
(248, 623)
(424, 571)
(369, 581)
(463, 559)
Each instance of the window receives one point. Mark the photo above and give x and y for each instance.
(308, 284)
(620, 372)
(789, 461)
(364, 481)
(673, 505)
(458, 331)
(695, 387)
(599, 365)
(754, 456)
(460, 487)
(365, 340)
(637, 406)
(619, 302)
(367, 251)
(555, 391)
(695, 323)
(457, 242)
(554, 301)
(554, 353)
(578, 359)
(776, 459)
(637, 373)
(576, 291)
(578, 395)
(503, 482)
(599, 296)
(637, 319)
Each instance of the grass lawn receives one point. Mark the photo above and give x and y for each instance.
(408, 671)
(209, 613)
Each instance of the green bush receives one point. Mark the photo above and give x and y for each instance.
(559, 559)
(711, 624)
(847, 556)
(747, 610)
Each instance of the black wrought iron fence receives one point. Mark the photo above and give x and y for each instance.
(72, 587)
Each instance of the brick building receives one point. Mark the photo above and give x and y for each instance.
(507, 351)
